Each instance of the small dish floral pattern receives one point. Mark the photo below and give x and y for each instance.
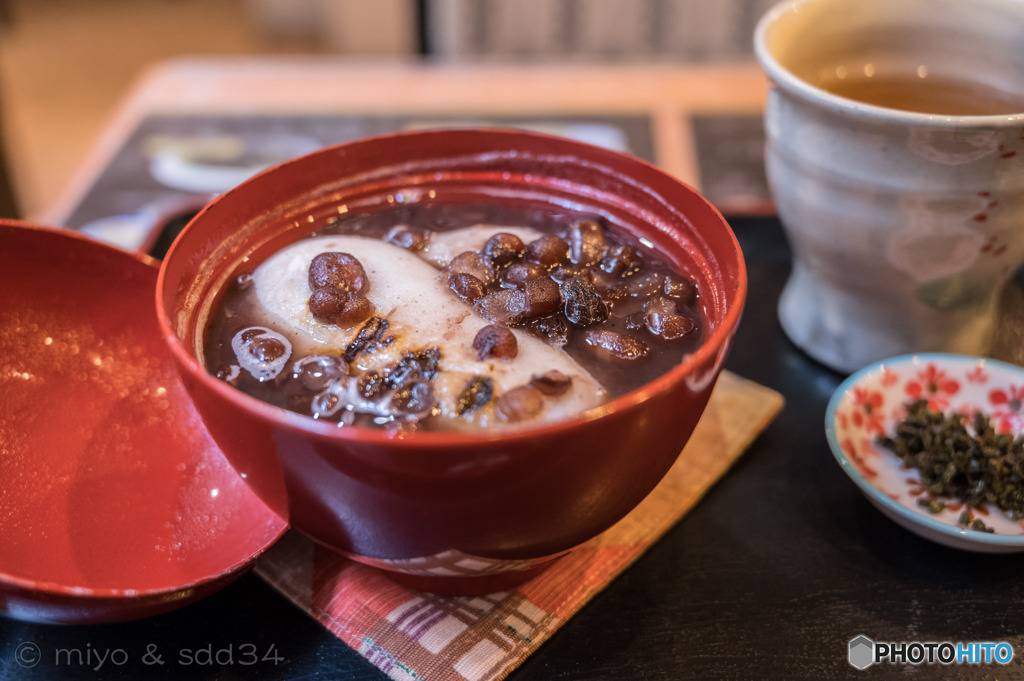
(873, 400)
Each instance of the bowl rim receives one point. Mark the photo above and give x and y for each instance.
(870, 489)
(717, 342)
(110, 594)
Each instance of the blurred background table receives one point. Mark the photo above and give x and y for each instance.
(332, 99)
(769, 576)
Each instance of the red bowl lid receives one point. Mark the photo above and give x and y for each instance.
(115, 502)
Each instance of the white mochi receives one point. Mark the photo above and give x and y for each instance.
(421, 313)
(442, 247)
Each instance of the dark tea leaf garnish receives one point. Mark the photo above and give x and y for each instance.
(369, 334)
(419, 364)
(477, 393)
(963, 458)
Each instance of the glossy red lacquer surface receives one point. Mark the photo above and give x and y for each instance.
(455, 505)
(115, 503)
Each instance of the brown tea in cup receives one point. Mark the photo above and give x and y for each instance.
(922, 92)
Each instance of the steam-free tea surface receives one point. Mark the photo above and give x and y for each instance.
(929, 94)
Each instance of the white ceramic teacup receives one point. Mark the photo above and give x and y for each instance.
(904, 225)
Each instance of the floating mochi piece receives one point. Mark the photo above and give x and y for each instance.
(421, 313)
(442, 247)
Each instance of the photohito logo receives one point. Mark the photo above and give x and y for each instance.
(863, 652)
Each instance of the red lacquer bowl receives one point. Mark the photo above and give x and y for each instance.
(115, 503)
(454, 512)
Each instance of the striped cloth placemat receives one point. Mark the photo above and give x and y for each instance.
(413, 636)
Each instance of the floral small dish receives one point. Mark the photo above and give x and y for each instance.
(872, 401)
